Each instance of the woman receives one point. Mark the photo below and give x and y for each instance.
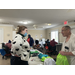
(20, 48)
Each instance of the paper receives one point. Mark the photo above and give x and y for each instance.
(41, 35)
(35, 35)
(32, 50)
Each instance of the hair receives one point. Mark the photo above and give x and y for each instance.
(20, 28)
(37, 42)
(29, 35)
(9, 41)
(67, 27)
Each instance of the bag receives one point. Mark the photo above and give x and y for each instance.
(49, 61)
(61, 60)
(42, 55)
(32, 52)
(35, 54)
(43, 58)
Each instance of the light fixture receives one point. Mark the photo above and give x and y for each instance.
(34, 26)
(25, 22)
(49, 24)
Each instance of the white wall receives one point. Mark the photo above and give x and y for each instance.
(7, 32)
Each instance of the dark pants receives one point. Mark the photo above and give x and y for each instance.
(17, 61)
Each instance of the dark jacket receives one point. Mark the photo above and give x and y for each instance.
(31, 40)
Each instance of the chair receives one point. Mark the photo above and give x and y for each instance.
(51, 50)
(3, 45)
(7, 50)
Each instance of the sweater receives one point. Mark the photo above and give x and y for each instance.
(69, 46)
(20, 47)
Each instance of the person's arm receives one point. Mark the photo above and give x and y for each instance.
(17, 45)
(66, 53)
(72, 53)
(33, 41)
(38, 46)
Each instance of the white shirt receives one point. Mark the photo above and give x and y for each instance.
(20, 47)
(71, 48)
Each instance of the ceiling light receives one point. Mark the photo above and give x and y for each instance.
(49, 24)
(25, 22)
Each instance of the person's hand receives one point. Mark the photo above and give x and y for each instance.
(62, 52)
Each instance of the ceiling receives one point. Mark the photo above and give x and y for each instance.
(38, 17)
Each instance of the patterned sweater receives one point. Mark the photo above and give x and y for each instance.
(20, 47)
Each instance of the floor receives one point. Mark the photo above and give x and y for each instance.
(4, 61)
(7, 62)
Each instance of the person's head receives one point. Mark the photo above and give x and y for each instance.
(66, 31)
(29, 35)
(9, 41)
(48, 40)
(23, 30)
(53, 39)
(37, 42)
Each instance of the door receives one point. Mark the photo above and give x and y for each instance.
(1, 37)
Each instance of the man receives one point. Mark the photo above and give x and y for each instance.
(53, 43)
(68, 47)
(52, 47)
(30, 40)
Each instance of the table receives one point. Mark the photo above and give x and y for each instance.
(35, 60)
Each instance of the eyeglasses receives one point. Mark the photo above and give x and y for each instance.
(63, 30)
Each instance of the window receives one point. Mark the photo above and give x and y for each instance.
(54, 35)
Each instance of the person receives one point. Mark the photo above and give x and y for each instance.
(47, 43)
(6, 50)
(68, 48)
(52, 47)
(53, 43)
(30, 40)
(37, 46)
(20, 47)
(8, 44)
